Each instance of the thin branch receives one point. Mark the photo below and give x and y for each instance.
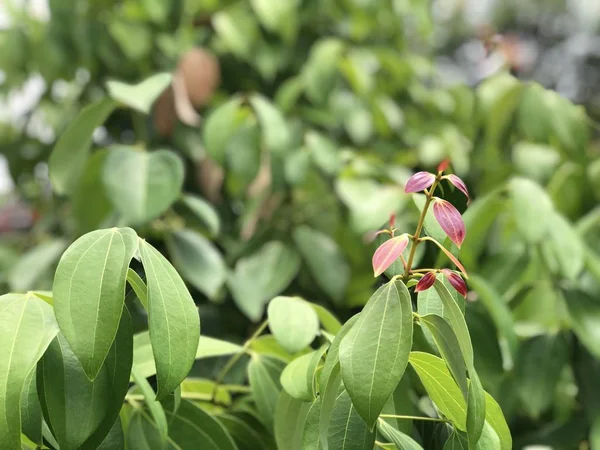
(427, 419)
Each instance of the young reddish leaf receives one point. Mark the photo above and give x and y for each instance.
(449, 255)
(392, 221)
(456, 281)
(450, 220)
(443, 165)
(458, 184)
(419, 181)
(388, 252)
(426, 282)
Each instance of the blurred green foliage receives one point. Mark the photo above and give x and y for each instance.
(323, 110)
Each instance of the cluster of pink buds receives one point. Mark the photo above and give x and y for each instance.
(450, 221)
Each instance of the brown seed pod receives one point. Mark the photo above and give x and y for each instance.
(201, 73)
(164, 113)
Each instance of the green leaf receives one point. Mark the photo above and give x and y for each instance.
(142, 433)
(174, 322)
(440, 386)
(139, 96)
(500, 314)
(456, 319)
(401, 440)
(298, 378)
(445, 393)
(220, 126)
(115, 439)
(118, 368)
(447, 344)
(430, 302)
(139, 287)
(311, 439)
(329, 322)
(34, 263)
(73, 405)
(276, 135)
(457, 441)
(585, 315)
(261, 276)
(374, 354)
(157, 10)
(143, 358)
(237, 29)
(333, 354)
(530, 202)
(158, 414)
(264, 374)
(323, 151)
(347, 430)
(31, 411)
(321, 70)
(279, 17)
(290, 417)
(325, 261)
(566, 246)
(329, 394)
(198, 389)
(198, 261)
(204, 211)
(539, 365)
(154, 182)
(401, 404)
(89, 291)
(91, 207)
(191, 428)
(475, 409)
(293, 322)
(69, 155)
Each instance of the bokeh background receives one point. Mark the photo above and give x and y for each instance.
(297, 123)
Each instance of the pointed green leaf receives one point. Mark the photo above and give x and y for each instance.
(374, 354)
(293, 322)
(174, 322)
(347, 430)
(329, 322)
(333, 354)
(311, 439)
(154, 181)
(261, 276)
(530, 202)
(204, 211)
(118, 367)
(585, 314)
(447, 343)
(429, 301)
(68, 158)
(290, 418)
(264, 374)
(475, 409)
(89, 291)
(142, 434)
(401, 440)
(158, 414)
(457, 441)
(27, 326)
(115, 439)
(198, 261)
(73, 405)
(34, 263)
(31, 410)
(221, 124)
(456, 319)
(139, 96)
(401, 404)
(298, 378)
(244, 434)
(329, 395)
(276, 135)
(325, 261)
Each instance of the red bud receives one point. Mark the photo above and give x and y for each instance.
(458, 184)
(443, 165)
(426, 282)
(419, 181)
(388, 253)
(450, 220)
(456, 281)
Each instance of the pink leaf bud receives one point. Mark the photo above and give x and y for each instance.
(450, 220)
(419, 181)
(456, 281)
(388, 252)
(392, 221)
(426, 282)
(458, 184)
(443, 165)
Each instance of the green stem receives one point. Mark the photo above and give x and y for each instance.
(235, 358)
(383, 445)
(427, 419)
(417, 235)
